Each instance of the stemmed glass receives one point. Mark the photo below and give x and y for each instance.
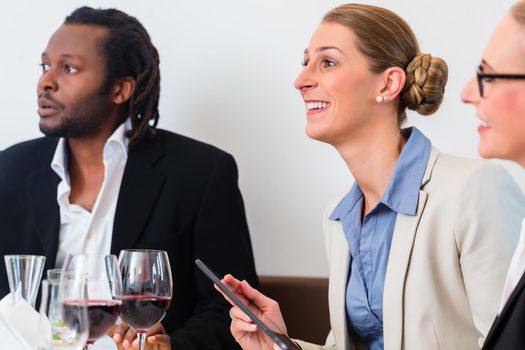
(147, 289)
(63, 303)
(103, 307)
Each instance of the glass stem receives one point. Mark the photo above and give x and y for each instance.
(142, 340)
(88, 346)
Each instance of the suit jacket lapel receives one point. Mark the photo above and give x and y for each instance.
(338, 278)
(43, 206)
(140, 188)
(403, 238)
(398, 261)
(339, 260)
(509, 306)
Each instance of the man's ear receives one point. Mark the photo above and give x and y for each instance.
(122, 90)
(393, 82)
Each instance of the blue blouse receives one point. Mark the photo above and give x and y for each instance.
(369, 241)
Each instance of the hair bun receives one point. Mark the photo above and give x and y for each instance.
(426, 77)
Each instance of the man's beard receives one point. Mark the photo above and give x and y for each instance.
(85, 119)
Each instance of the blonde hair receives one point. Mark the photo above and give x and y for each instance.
(518, 12)
(387, 41)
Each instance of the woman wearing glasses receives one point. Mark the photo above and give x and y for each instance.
(498, 93)
(419, 246)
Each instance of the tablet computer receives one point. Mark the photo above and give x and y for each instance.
(280, 339)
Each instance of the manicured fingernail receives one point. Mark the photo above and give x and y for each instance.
(253, 327)
(117, 338)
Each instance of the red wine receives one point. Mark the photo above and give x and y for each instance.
(143, 311)
(102, 315)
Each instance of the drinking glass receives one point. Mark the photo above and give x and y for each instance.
(103, 308)
(147, 289)
(25, 272)
(53, 275)
(62, 303)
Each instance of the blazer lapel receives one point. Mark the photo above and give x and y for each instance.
(398, 261)
(403, 238)
(499, 321)
(140, 188)
(339, 265)
(43, 207)
(340, 293)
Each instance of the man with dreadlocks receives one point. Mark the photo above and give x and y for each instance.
(105, 179)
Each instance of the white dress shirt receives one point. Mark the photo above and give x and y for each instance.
(516, 268)
(85, 232)
(81, 231)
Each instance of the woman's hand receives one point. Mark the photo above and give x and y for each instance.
(245, 332)
(126, 337)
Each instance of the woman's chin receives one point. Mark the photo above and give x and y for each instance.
(489, 151)
(316, 134)
(485, 152)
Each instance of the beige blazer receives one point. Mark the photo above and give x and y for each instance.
(447, 263)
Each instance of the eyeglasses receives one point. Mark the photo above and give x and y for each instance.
(490, 76)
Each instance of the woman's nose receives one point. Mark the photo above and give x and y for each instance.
(470, 93)
(305, 80)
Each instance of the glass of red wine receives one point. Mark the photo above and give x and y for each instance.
(67, 324)
(103, 307)
(147, 289)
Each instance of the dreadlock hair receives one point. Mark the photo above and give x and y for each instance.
(128, 51)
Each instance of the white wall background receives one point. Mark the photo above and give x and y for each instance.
(227, 73)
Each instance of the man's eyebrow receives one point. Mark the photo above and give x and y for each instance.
(64, 56)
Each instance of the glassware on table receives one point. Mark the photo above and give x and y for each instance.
(147, 289)
(53, 275)
(103, 308)
(63, 303)
(25, 272)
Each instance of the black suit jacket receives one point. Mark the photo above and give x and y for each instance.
(177, 194)
(508, 330)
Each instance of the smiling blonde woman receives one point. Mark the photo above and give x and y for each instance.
(419, 246)
(498, 93)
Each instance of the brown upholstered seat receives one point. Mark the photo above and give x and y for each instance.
(304, 305)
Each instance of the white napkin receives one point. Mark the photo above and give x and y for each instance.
(21, 325)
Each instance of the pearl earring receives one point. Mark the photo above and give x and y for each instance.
(380, 98)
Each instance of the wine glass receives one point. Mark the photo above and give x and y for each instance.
(103, 308)
(62, 303)
(147, 289)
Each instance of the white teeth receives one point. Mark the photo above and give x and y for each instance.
(484, 122)
(317, 105)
